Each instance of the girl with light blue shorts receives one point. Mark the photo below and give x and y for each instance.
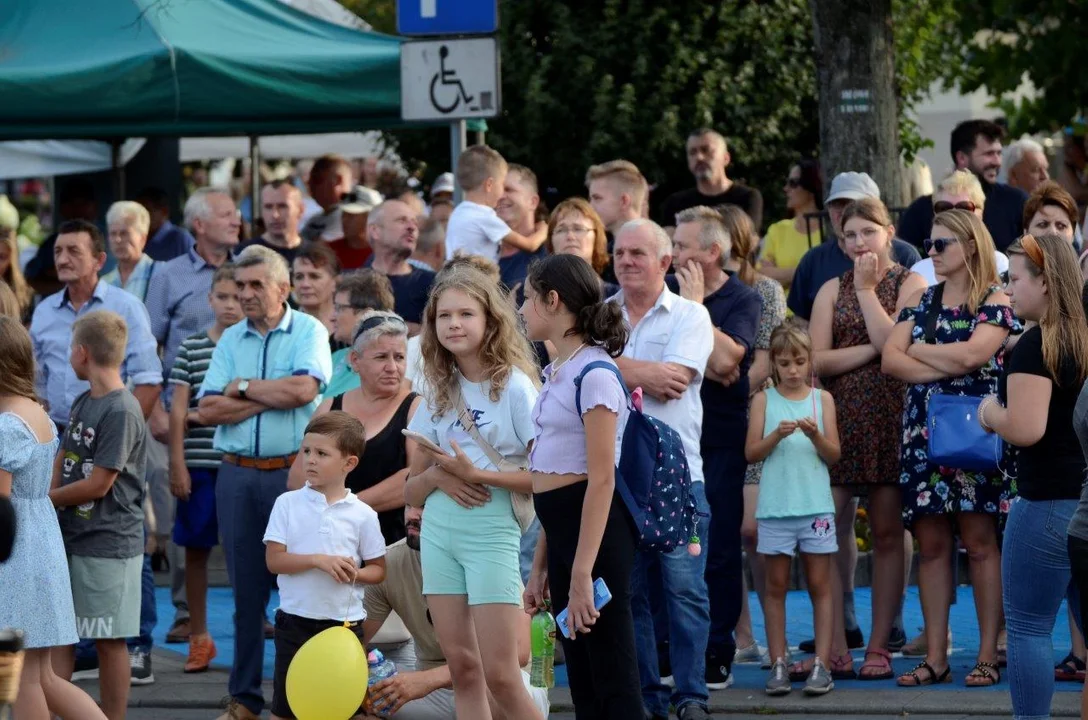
(480, 386)
(792, 429)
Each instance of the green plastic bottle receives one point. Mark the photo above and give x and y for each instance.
(542, 674)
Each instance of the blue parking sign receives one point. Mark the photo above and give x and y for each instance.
(447, 17)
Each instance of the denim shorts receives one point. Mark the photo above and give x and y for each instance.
(815, 534)
(195, 523)
(480, 559)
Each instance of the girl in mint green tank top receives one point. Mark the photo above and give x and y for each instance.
(792, 429)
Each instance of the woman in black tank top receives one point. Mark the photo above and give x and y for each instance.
(383, 402)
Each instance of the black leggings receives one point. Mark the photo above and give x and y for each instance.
(601, 665)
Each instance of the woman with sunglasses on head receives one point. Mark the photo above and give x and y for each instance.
(949, 341)
(851, 321)
(960, 190)
(788, 240)
(1033, 412)
(384, 403)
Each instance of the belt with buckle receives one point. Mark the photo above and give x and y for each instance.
(258, 463)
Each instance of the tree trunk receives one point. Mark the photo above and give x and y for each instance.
(859, 111)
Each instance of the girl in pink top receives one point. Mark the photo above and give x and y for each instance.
(587, 532)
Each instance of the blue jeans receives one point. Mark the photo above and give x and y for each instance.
(1035, 577)
(244, 498)
(688, 612)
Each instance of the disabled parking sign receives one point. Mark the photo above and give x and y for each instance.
(450, 79)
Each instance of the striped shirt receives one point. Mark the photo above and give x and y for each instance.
(193, 358)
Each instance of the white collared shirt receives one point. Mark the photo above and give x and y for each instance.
(924, 267)
(307, 524)
(678, 331)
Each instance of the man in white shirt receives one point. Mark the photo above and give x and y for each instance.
(666, 355)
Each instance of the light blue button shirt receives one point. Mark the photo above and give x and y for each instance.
(298, 345)
(137, 280)
(51, 333)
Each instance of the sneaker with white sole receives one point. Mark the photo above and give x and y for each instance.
(779, 681)
(819, 681)
(140, 662)
(718, 676)
(751, 654)
(86, 668)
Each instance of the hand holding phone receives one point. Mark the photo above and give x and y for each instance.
(423, 441)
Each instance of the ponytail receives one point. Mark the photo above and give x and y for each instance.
(602, 325)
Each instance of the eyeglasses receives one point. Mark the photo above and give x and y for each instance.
(938, 244)
(944, 206)
(866, 234)
(793, 182)
(572, 230)
(337, 307)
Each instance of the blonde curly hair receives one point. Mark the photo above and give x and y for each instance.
(502, 349)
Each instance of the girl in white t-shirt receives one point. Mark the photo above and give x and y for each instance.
(478, 367)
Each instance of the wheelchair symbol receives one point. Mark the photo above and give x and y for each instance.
(448, 79)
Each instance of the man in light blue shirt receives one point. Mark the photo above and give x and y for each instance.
(265, 381)
(80, 253)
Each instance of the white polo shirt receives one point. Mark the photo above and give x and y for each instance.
(678, 331)
(475, 229)
(924, 267)
(307, 524)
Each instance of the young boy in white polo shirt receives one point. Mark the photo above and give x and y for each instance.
(316, 540)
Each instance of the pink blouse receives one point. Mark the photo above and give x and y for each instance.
(560, 443)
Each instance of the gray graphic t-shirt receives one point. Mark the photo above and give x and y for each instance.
(107, 432)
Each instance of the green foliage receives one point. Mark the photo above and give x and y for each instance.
(1037, 40)
(586, 81)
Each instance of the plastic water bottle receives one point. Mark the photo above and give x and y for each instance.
(542, 673)
(378, 669)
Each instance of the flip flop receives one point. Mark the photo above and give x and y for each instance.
(878, 669)
(1071, 669)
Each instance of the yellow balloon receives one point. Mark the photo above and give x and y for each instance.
(327, 677)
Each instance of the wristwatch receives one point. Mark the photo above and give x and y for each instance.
(243, 385)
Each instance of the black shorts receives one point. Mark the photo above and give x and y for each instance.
(292, 632)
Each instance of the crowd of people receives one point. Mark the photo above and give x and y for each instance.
(411, 419)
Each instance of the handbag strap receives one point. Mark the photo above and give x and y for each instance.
(932, 312)
(464, 415)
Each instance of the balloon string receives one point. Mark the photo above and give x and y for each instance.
(351, 596)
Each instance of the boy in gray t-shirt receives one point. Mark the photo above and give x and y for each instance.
(99, 492)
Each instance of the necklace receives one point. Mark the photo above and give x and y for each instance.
(560, 363)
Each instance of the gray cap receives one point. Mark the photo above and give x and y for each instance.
(853, 186)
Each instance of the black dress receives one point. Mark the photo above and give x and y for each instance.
(385, 455)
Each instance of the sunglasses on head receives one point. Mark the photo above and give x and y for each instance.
(938, 244)
(944, 206)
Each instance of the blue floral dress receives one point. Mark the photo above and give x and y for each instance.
(930, 489)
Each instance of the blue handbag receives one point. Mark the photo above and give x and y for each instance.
(955, 438)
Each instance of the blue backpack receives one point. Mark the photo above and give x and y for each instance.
(652, 475)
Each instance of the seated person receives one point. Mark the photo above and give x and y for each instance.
(422, 688)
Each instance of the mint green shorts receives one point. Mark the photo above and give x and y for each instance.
(477, 556)
(106, 596)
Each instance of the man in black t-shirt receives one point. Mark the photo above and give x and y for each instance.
(393, 230)
(708, 157)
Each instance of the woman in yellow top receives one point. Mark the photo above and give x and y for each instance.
(788, 240)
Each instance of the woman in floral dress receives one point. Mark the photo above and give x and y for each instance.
(957, 348)
(852, 318)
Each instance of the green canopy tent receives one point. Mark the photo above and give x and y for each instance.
(135, 68)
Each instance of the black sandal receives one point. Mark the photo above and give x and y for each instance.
(1070, 669)
(987, 672)
(933, 679)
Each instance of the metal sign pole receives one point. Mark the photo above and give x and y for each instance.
(458, 141)
(254, 178)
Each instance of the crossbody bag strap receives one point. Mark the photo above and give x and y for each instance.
(464, 415)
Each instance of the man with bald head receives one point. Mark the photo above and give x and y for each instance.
(393, 230)
(666, 355)
(708, 157)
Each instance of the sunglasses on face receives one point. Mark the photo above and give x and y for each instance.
(945, 206)
(938, 244)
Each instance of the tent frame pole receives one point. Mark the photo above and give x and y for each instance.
(255, 177)
(118, 168)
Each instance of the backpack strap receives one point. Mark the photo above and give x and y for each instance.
(596, 364)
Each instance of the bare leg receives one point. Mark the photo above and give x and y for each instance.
(196, 590)
(934, 536)
(774, 603)
(1074, 633)
(846, 559)
(498, 628)
(30, 702)
(750, 536)
(743, 632)
(885, 518)
(818, 576)
(114, 677)
(979, 534)
(63, 660)
(65, 699)
(456, 632)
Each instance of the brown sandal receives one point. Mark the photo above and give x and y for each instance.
(987, 675)
(878, 669)
(913, 679)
